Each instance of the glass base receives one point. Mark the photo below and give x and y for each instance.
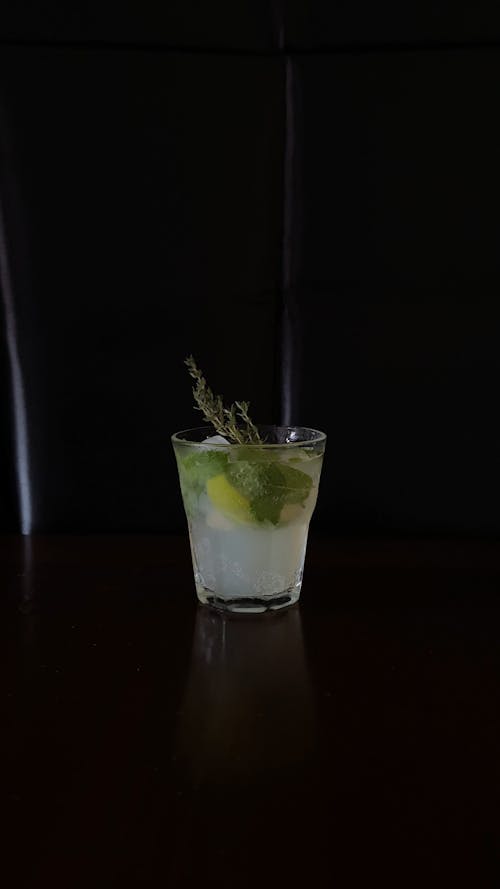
(250, 604)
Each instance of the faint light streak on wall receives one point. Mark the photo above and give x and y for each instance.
(17, 386)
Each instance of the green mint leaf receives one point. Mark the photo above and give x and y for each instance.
(254, 454)
(261, 484)
(249, 478)
(297, 484)
(199, 466)
(268, 486)
(267, 508)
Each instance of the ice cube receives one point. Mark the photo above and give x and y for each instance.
(216, 520)
(216, 439)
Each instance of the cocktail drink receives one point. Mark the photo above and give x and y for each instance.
(248, 507)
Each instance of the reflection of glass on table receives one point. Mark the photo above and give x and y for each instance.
(247, 707)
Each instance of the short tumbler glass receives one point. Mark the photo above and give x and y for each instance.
(248, 509)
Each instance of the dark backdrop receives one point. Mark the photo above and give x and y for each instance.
(305, 196)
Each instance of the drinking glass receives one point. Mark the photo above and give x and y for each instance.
(248, 508)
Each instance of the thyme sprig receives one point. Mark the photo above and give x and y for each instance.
(232, 422)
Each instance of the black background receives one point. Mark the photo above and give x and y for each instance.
(306, 196)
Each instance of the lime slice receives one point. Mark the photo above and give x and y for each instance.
(228, 500)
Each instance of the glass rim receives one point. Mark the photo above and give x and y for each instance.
(319, 438)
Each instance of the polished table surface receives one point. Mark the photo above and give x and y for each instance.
(350, 741)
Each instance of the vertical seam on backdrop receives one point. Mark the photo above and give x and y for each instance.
(17, 387)
(286, 336)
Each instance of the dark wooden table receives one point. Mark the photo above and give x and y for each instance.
(348, 742)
